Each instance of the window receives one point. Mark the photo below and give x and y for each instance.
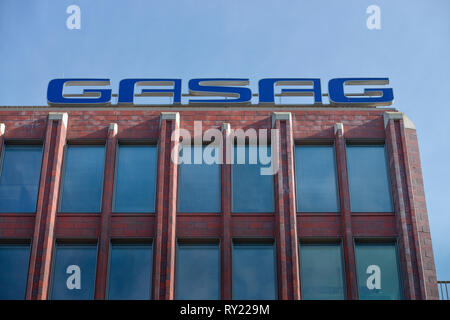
(254, 272)
(378, 271)
(130, 275)
(83, 179)
(19, 178)
(251, 190)
(316, 179)
(368, 178)
(321, 271)
(197, 271)
(14, 261)
(74, 272)
(199, 184)
(136, 178)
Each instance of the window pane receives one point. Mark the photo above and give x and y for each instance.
(316, 179)
(19, 180)
(14, 260)
(198, 184)
(378, 272)
(74, 272)
(252, 191)
(197, 272)
(254, 273)
(83, 179)
(136, 179)
(368, 179)
(130, 275)
(321, 272)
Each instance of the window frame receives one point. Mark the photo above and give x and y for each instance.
(200, 241)
(20, 242)
(317, 241)
(129, 242)
(82, 143)
(371, 143)
(236, 241)
(22, 142)
(70, 242)
(204, 144)
(126, 142)
(274, 211)
(314, 143)
(381, 240)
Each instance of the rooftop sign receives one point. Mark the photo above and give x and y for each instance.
(231, 91)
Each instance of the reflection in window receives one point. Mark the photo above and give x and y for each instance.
(14, 261)
(197, 271)
(198, 184)
(83, 179)
(316, 179)
(130, 275)
(136, 178)
(251, 191)
(254, 272)
(321, 271)
(378, 271)
(368, 178)
(19, 178)
(74, 272)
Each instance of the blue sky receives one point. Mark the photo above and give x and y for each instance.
(251, 39)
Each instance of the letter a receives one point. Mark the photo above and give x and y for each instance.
(374, 20)
(74, 280)
(374, 280)
(74, 20)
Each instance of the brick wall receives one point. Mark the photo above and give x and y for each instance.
(408, 224)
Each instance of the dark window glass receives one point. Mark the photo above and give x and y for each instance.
(252, 191)
(197, 272)
(14, 260)
(321, 272)
(316, 179)
(19, 179)
(254, 273)
(83, 179)
(74, 272)
(198, 184)
(130, 275)
(136, 179)
(378, 271)
(368, 178)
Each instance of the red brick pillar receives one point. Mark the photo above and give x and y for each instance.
(415, 248)
(285, 207)
(2, 133)
(226, 264)
(344, 198)
(46, 209)
(166, 208)
(104, 236)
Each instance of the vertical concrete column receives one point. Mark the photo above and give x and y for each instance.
(105, 222)
(285, 207)
(344, 198)
(166, 207)
(46, 208)
(226, 264)
(403, 222)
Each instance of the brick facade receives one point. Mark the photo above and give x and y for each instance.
(55, 126)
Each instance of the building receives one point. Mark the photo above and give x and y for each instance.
(92, 206)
